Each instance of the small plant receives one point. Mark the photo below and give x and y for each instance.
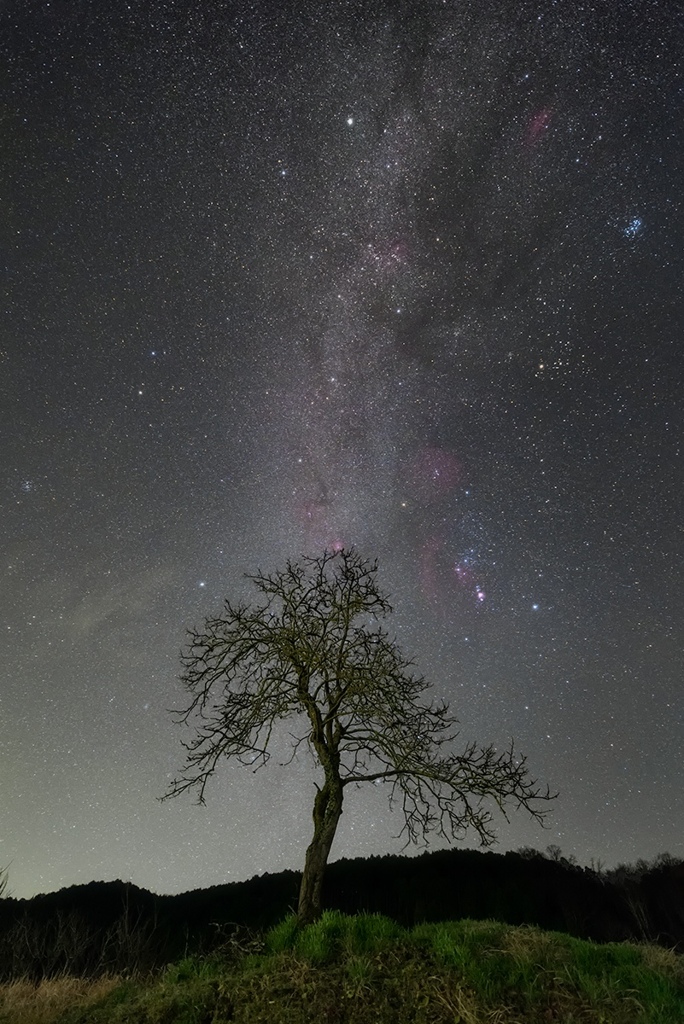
(321, 941)
(370, 933)
(283, 936)
(360, 974)
(185, 970)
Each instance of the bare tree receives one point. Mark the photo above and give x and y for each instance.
(313, 649)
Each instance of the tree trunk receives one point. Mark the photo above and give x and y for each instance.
(327, 811)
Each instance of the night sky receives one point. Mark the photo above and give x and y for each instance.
(276, 277)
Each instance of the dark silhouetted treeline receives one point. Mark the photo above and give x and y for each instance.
(115, 926)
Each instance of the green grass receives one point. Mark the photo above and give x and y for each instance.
(366, 969)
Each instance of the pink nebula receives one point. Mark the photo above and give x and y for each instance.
(537, 125)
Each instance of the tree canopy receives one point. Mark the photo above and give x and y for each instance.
(314, 649)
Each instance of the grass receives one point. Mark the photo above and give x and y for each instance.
(366, 969)
(46, 1001)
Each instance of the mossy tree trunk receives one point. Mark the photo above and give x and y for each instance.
(327, 811)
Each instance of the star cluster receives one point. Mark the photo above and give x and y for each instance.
(405, 276)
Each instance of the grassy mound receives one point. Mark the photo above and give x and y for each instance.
(366, 969)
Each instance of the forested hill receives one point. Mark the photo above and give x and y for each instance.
(117, 921)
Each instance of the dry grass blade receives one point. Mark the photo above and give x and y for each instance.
(43, 1002)
(465, 1007)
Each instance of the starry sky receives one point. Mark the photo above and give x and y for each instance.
(280, 277)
